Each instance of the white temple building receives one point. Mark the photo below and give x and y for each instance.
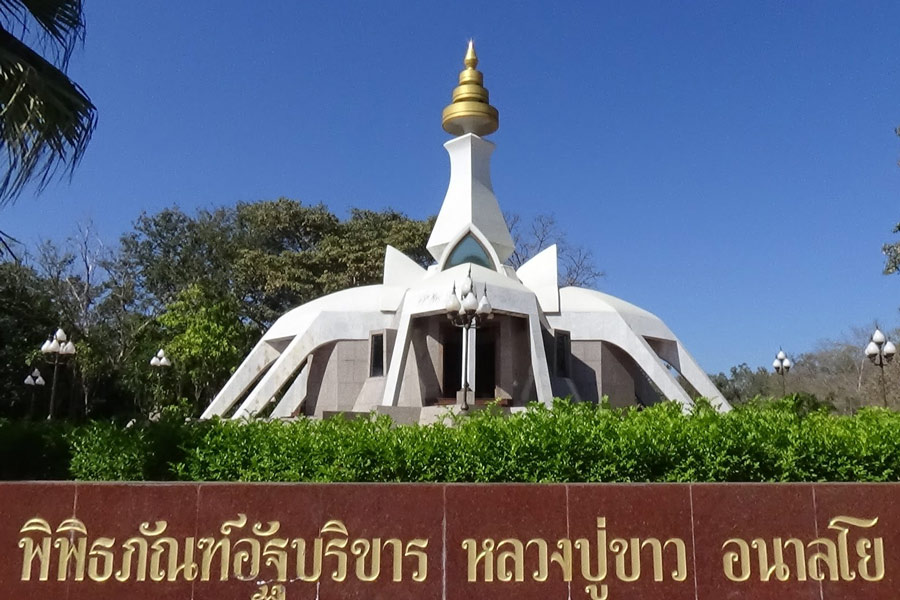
(467, 330)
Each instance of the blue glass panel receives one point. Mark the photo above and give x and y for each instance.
(468, 250)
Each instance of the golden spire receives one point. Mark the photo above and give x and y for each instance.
(470, 111)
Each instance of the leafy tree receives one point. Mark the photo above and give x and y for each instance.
(205, 340)
(76, 277)
(743, 384)
(270, 256)
(260, 253)
(353, 253)
(277, 249)
(46, 119)
(26, 317)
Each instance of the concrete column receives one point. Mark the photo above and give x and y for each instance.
(262, 355)
(295, 394)
(277, 376)
(398, 361)
(539, 359)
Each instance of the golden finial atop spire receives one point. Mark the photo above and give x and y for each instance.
(471, 60)
(470, 110)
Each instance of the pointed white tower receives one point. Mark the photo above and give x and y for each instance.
(470, 197)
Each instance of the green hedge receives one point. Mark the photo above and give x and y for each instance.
(775, 441)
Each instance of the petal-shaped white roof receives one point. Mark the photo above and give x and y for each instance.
(363, 299)
(581, 300)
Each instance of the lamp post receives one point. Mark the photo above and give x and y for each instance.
(880, 351)
(160, 362)
(60, 347)
(467, 312)
(34, 379)
(782, 364)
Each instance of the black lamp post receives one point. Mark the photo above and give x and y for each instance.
(880, 351)
(160, 362)
(782, 364)
(33, 380)
(60, 348)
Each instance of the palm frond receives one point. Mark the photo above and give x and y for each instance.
(61, 21)
(46, 119)
(5, 241)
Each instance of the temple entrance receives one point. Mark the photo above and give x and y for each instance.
(452, 361)
(485, 362)
(485, 368)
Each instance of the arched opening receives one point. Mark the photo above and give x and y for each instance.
(469, 250)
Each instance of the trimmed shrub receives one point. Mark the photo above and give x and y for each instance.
(786, 440)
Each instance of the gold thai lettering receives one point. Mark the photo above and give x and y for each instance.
(396, 558)
(101, 560)
(824, 557)
(269, 592)
(32, 550)
(211, 546)
(139, 546)
(315, 572)
(361, 550)
(621, 547)
(247, 552)
(510, 560)
(336, 547)
(584, 548)
(820, 559)
(515, 550)
(164, 568)
(71, 549)
(260, 553)
(417, 548)
(741, 559)
(275, 555)
(778, 567)
(680, 572)
(476, 556)
(799, 557)
(562, 557)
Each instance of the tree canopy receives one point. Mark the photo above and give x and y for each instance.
(202, 286)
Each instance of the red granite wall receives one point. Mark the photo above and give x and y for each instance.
(404, 541)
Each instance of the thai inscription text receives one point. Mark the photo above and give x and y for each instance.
(505, 560)
(240, 551)
(822, 559)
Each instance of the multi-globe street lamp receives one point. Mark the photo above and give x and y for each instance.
(782, 364)
(60, 348)
(160, 362)
(880, 351)
(160, 359)
(467, 312)
(33, 380)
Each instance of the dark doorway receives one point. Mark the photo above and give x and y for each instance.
(485, 363)
(485, 358)
(452, 361)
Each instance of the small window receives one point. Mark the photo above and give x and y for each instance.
(376, 355)
(563, 352)
(469, 250)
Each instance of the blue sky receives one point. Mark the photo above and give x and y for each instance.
(732, 165)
